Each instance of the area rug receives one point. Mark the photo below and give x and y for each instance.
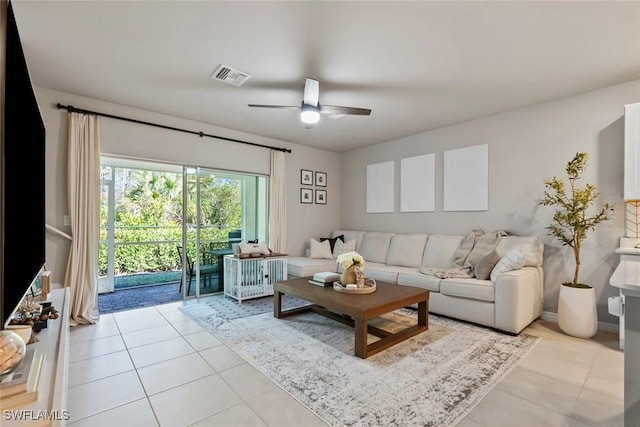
(432, 379)
(232, 309)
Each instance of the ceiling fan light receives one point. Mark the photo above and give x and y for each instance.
(309, 117)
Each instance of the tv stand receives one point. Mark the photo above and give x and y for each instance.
(51, 407)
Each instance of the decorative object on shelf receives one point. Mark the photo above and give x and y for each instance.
(306, 177)
(12, 350)
(349, 261)
(306, 195)
(368, 287)
(577, 314)
(321, 179)
(23, 330)
(34, 313)
(321, 197)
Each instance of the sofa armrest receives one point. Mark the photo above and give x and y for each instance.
(518, 298)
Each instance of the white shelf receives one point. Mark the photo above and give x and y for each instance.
(54, 343)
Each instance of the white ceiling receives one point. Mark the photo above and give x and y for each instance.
(417, 65)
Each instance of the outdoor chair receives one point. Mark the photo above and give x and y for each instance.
(207, 271)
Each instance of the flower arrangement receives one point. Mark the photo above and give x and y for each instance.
(349, 259)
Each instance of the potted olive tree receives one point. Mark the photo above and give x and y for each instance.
(577, 314)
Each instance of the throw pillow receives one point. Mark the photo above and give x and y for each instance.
(320, 249)
(333, 240)
(344, 247)
(485, 265)
(514, 260)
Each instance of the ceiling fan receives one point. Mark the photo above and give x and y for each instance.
(310, 109)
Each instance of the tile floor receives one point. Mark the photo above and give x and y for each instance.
(154, 366)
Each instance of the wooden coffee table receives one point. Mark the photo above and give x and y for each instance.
(357, 310)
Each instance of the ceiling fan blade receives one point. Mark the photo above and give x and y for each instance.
(311, 92)
(336, 109)
(288, 107)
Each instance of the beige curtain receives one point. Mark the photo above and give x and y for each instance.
(83, 188)
(277, 203)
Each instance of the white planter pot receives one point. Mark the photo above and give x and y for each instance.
(577, 315)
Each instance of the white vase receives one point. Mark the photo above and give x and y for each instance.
(577, 315)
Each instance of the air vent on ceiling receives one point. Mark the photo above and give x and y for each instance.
(230, 76)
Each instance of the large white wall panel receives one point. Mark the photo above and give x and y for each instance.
(417, 183)
(380, 184)
(466, 179)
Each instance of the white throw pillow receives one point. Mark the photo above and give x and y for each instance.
(343, 247)
(320, 249)
(514, 260)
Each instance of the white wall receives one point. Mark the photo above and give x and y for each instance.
(526, 146)
(145, 142)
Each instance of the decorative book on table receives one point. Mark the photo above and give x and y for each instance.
(326, 277)
(315, 282)
(29, 387)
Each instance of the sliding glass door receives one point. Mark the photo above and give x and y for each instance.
(221, 209)
(164, 224)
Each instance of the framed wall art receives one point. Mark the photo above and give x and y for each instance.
(306, 177)
(306, 195)
(321, 197)
(321, 179)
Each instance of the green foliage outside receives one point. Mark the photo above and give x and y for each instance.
(149, 210)
(570, 220)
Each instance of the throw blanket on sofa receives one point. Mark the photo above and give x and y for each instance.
(475, 245)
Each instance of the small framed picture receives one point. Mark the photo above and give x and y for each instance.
(321, 179)
(306, 195)
(321, 197)
(306, 177)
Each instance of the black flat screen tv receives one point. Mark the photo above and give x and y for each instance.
(22, 174)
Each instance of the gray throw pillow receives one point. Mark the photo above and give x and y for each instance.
(484, 266)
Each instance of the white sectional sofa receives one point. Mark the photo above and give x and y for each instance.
(508, 303)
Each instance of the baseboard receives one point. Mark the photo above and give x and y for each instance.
(550, 316)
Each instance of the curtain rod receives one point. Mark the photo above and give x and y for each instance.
(71, 108)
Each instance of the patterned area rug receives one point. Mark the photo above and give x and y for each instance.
(232, 309)
(432, 379)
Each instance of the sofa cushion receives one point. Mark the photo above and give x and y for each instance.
(375, 246)
(304, 267)
(483, 268)
(468, 288)
(514, 260)
(344, 247)
(412, 277)
(531, 246)
(406, 250)
(320, 249)
(332, 240)
(379, 271)
(439, 250)
(350, 235)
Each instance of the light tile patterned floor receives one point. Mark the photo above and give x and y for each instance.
(156, 367)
